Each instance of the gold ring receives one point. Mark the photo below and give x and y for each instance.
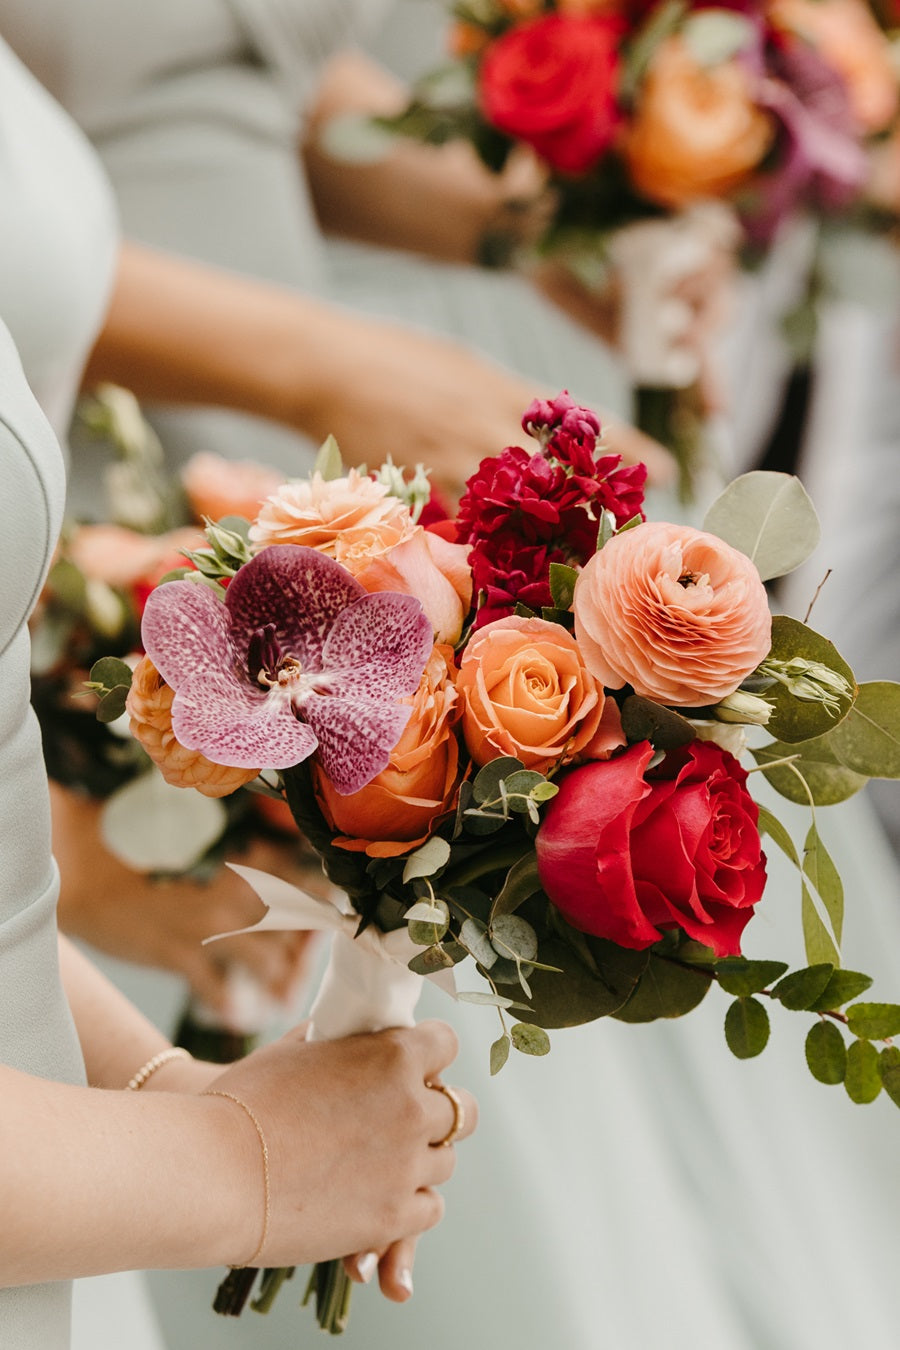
(459, 1114)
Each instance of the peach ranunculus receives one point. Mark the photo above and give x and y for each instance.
(675, 612)
(696, 132)
(331, 515)
(846, 35)
(399, 809)
(526, 691)
(124, 558)
(217, 487)
(149, 706)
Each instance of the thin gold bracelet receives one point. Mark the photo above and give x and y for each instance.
(264, 1149)
(156, 1062)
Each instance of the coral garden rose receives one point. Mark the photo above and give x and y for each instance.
(625, 854)
(434, 570)
(845, 34)
(149, 707)
(675, 612)
(217, 487)
(697, 131)
(552, 82)
(125, 558)
(525, 692)
(401, 806)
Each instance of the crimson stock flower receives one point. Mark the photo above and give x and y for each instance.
(297, 659)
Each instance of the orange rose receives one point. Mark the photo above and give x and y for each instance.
(676, 613)
(696, 132)
(845, 34)
(149, 705)
(124, 558)
(401, 806)
(526, 692)
(435, 571)
(218, 487)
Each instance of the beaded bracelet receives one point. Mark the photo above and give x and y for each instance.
(264, 1149)
(156, 1062)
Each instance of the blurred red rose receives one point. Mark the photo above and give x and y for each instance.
(624, 856)
(553, 83)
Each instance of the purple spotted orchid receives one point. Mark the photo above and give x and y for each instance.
(298, 659)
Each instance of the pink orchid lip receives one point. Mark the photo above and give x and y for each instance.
(298, 659)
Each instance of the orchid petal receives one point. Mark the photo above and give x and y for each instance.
(355, 737)
(185, 631)
(298, 589)
(232, 723)
(378, 647)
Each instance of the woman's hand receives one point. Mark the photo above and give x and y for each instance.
(163, 923)
(351, 1129)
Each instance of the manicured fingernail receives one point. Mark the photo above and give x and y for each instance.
(367, 1266)
(404, 1279)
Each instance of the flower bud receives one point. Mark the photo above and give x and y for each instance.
(746, 709)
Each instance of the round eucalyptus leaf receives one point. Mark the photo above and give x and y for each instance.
(154, 827)
(769, 517)
(826, 1053)
(746, 1028)
(530, 1040)
(473, 936)
(110, 671)
(511, 934)
(862, 1081)
(486, 787)
(868, 739)
(112, 705)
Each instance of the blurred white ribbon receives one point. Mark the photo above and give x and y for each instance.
(367, 985)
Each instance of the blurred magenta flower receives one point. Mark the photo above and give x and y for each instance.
(297, 659)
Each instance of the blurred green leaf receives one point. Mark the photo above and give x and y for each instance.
(529, 1039)
(802, 988)
(746, 1028)
(769, 517)
(874, 1021)
(716, 35)
(826, 1053)
(738, 976)
(328, 460)
(112, 705)
(868, 739)
(829, 780)
(862, 1081)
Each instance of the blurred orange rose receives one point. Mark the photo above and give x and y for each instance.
(217, 487)
(526, 691)
(149, 706)
(696, 132)
(401, 806)
(126, 559)
(675, 612)
(845, 34)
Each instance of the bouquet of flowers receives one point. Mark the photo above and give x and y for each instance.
(660, 125)
(515, 740)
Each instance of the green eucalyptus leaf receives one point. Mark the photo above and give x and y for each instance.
(824, 876)
(486, 785)
(529, 1039)
(562, 584)
(328, 460)
(499, 1053)
(874, 1021)
(746, 1028)
(427, 860)
(355, 138)
(829, 780)
(521, 882)
(431, 960)
(69, 585)
(802, 988)
(428, 922)
(644, 720)
(484, 999)
(110, 672)
(481, 824)
(817, 939)
(473, 936)
(512, 935)
(665, 989)
(862, 1081)
(738, 976)
(520, 786)
(842, 986)
(769, 517)
(826, 1053)
(794, 719)
(112, 705)
(868, 739)
(889, 1069)
(154, 827)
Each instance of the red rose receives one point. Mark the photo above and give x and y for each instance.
(624, 856)
(552, 83)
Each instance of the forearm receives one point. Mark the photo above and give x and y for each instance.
(436, 200)
(94, 1181)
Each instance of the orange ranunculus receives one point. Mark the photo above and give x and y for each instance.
(149, 706)
(696, 131)
(435, 571)
(217, 487)
(845, 34)
(399, 809)
(675, 612)
(526, 691)
(319, 512)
